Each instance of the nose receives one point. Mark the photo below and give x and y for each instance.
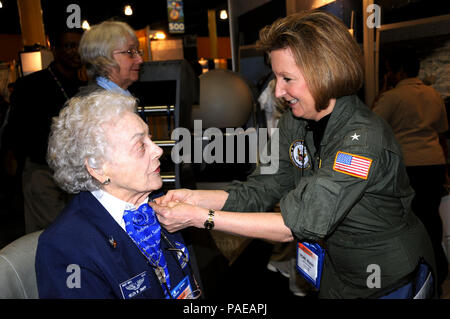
(158, 151)
(155, 150)
(279, 89)
(139, 59)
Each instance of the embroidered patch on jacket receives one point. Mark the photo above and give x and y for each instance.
(352, 164)
(299, 154)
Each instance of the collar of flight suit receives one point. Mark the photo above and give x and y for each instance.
(342, 111)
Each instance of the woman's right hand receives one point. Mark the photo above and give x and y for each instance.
(210, 199)
(176, 216)
(182, 195)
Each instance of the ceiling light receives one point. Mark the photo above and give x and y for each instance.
(128, 11)
(1, 4)
(85, 25)
(223, 14)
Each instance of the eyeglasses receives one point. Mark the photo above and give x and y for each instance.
(131, 52)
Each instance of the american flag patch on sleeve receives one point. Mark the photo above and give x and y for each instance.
(353, 165)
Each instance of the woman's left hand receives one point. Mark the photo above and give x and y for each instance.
(176, 216)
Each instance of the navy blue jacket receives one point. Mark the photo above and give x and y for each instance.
(86, 254)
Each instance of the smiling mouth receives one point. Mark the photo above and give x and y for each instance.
(292, 102)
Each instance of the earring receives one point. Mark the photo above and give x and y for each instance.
(107, 181)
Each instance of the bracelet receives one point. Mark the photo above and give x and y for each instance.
(209, 222)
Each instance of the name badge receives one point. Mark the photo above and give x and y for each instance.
(134, 286)
(183, 290)
(310, 258)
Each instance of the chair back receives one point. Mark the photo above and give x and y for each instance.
(17, 271)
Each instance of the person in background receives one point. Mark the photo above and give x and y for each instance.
(4, 114)
(416, 112)
(341, 183)
(36, 98)
(101, 150)
(4, 176)
(110, 52)
(10, 190)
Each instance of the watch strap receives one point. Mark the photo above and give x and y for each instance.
(209, 222)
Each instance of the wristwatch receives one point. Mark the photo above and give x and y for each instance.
(209, 222)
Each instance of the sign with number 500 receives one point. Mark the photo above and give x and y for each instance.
(175, 27)
(176, 16)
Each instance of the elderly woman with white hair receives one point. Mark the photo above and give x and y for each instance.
(107, 242)
(110, 51)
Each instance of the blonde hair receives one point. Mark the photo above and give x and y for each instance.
(97, 46)
(78, 136)
(328, 56)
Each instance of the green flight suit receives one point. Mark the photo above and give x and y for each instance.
(360, 221)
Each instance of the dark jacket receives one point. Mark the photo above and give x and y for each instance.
(361, 221)
(36, 99)
(83, 236)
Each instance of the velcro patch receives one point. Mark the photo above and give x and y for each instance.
(352, 164)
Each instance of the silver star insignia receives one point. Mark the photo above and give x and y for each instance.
(355, 137)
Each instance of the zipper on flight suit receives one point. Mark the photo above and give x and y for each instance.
(318, 159)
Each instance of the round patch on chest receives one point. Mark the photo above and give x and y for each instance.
(299, 154)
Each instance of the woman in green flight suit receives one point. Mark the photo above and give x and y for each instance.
(341, 179)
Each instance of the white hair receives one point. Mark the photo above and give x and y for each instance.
(98, 43)
(78, 136)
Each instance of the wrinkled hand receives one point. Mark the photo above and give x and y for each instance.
(177, 195)
(176, 216)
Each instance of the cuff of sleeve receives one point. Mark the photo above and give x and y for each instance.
(229, 205)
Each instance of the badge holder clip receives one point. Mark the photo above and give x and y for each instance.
(310, 257)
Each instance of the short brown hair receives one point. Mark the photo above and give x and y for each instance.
(330, 59)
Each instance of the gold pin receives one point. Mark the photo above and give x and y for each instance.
(112, 242)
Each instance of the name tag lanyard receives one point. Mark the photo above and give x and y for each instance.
(196, 293)
(159, 271)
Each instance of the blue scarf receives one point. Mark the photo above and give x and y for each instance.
(144, 228)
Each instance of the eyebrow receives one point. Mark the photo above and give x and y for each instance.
(137, 135)
(141, 134)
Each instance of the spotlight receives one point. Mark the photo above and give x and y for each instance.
(128, 11)
(85, 25)
(223, 14)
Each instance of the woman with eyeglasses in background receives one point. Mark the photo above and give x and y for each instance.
(110, 52)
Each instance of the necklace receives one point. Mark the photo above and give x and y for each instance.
(59, 83)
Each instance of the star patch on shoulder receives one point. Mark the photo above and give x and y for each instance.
(355, 137)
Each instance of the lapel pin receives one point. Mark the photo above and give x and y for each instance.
(112, 242)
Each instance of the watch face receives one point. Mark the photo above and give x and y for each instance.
(209, 225)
